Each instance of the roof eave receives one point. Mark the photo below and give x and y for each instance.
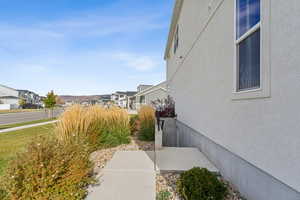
(148, 89)
(175, 17)
(8, 87)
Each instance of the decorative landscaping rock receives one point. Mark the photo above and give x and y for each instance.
(167, 182)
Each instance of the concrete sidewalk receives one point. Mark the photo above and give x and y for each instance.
(174, 159)
(26, 126)
(130, 175)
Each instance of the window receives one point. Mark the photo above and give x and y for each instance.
(248, 44)
(176, 39)
(142, 99)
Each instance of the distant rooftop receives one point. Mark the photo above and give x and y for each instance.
(144, 85)
(128, 93)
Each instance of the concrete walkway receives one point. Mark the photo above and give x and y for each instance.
(174, 159)
(26, 126)
(130, 175)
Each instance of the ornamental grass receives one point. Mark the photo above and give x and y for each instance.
(58, 167)
(147, 123)
(100, 127)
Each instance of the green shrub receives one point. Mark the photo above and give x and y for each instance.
(163, 195)
(147, 123)
(108, 140)
(201, 184)
(49, 170)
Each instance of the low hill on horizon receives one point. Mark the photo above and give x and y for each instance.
(79, 99)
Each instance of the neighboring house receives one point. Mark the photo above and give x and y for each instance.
(233, 71)
(123, 99)
(146, 96)
(9, 98)
(30, 97)
(143, 87)
(105, 99)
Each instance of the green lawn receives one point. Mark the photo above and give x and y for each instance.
(16, 141)
(25, 123)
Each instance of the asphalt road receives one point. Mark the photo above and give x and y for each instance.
(12, 118)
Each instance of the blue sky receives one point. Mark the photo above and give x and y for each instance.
(83, 47)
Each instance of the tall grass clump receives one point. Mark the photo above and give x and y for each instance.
(99, 127)
(134, 124)
(49, 169)
(147, 123)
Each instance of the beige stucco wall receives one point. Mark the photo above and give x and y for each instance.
(264, 131)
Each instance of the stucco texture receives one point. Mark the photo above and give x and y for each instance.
(263, 131)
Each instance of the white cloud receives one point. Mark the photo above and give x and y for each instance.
(138, 62)
(59, 34)
(55, 53)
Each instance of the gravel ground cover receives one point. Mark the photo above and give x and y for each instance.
(167, 182)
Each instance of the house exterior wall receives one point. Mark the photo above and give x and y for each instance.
(156, 94)
(263, 132)
(11, 101)
(8, 97)
(151, 94)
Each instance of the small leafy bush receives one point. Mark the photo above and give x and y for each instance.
(199, 183)
(163, 195)
(49, 170)
(147, 123)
